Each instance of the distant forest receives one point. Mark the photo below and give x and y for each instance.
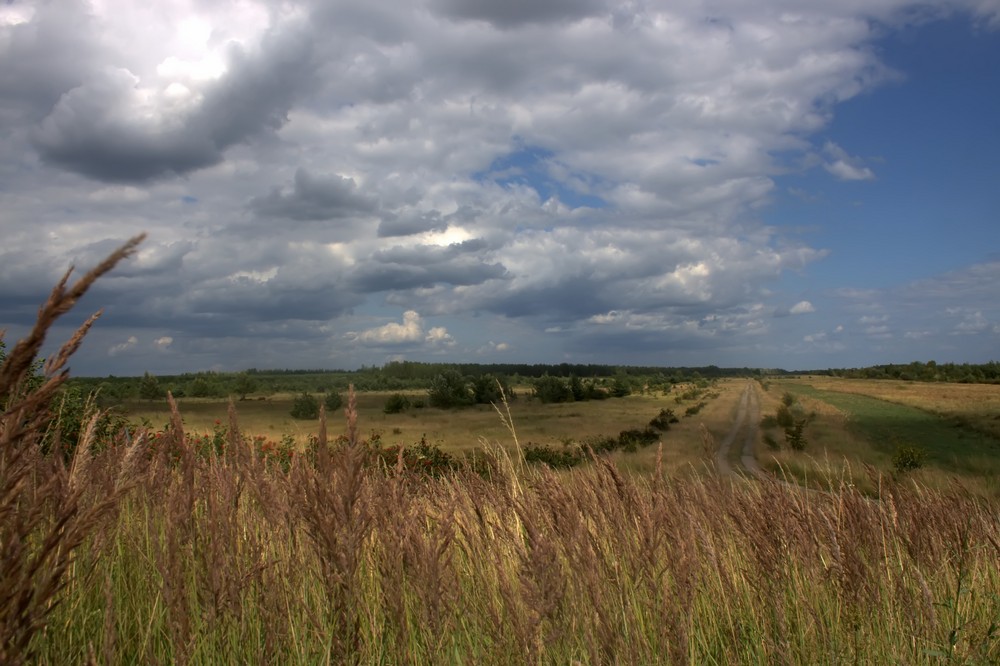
(412, 375)
(394, 376)
(966, 373)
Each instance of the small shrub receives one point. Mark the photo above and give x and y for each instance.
(305, 406)
(396, 403)
(908, 458)
(554, 458)
(601, 444)
(663, 420)
(795, 435)
(783, 417)
(630, 440)
(693, 409)
(333, 402)
(787, 399)
(769, 421)
(772, 443)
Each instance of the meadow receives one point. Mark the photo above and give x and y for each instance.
(171, 545)
(463, 431)
(858, 423)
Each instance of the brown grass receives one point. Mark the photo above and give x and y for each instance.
(975, 405)
(46, 510)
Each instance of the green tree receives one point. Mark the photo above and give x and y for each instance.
(243, 385)
(333, 401)
(449, 389)
(149, 387)
(489, 388)
(305, 406)
(552, 389)
(621, 387)
(201, 388)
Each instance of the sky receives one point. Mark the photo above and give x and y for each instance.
(780, 184)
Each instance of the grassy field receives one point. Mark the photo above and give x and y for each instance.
(975, 406)
(857, 427)
(464, 430)
(860, 423)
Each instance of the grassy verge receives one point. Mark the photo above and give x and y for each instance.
(866, 430)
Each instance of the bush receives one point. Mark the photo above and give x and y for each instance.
(630, 440)
(620, 388)
(601, 444)
(488, 388)
(795, 435)
(908, 458)
(552, 389)
(554, 458)
(663, 420)
(333, 401)
(450, 389)
(783, 417)
(693, 409)
(305, 406)
(396, 403)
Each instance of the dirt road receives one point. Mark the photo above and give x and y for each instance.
(745, 427)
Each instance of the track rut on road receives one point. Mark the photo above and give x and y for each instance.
(745, 427)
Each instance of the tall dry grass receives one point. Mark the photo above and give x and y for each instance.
(135, 556)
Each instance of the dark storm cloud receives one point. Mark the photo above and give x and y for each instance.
(34, 74)
(104, 128)
(312, 197)
(413, 268)
(567, 300)
(512, 13)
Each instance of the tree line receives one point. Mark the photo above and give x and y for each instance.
(931, 371)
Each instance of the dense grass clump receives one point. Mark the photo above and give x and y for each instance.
(131, 553)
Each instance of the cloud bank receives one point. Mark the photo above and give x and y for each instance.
(577, 179)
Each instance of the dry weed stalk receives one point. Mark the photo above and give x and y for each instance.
(45, 515)
(335, 509)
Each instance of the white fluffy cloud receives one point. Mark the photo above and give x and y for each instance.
(411, 330)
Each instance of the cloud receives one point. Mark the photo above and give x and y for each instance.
(584, 178)
(520, 12)
(123, 347)
(118, 126)
(439, 336)
(411, 330)
(843, 166)
(315, 198)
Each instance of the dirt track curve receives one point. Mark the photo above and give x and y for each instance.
(745, 426)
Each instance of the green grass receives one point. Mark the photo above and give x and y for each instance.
(886, 426)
